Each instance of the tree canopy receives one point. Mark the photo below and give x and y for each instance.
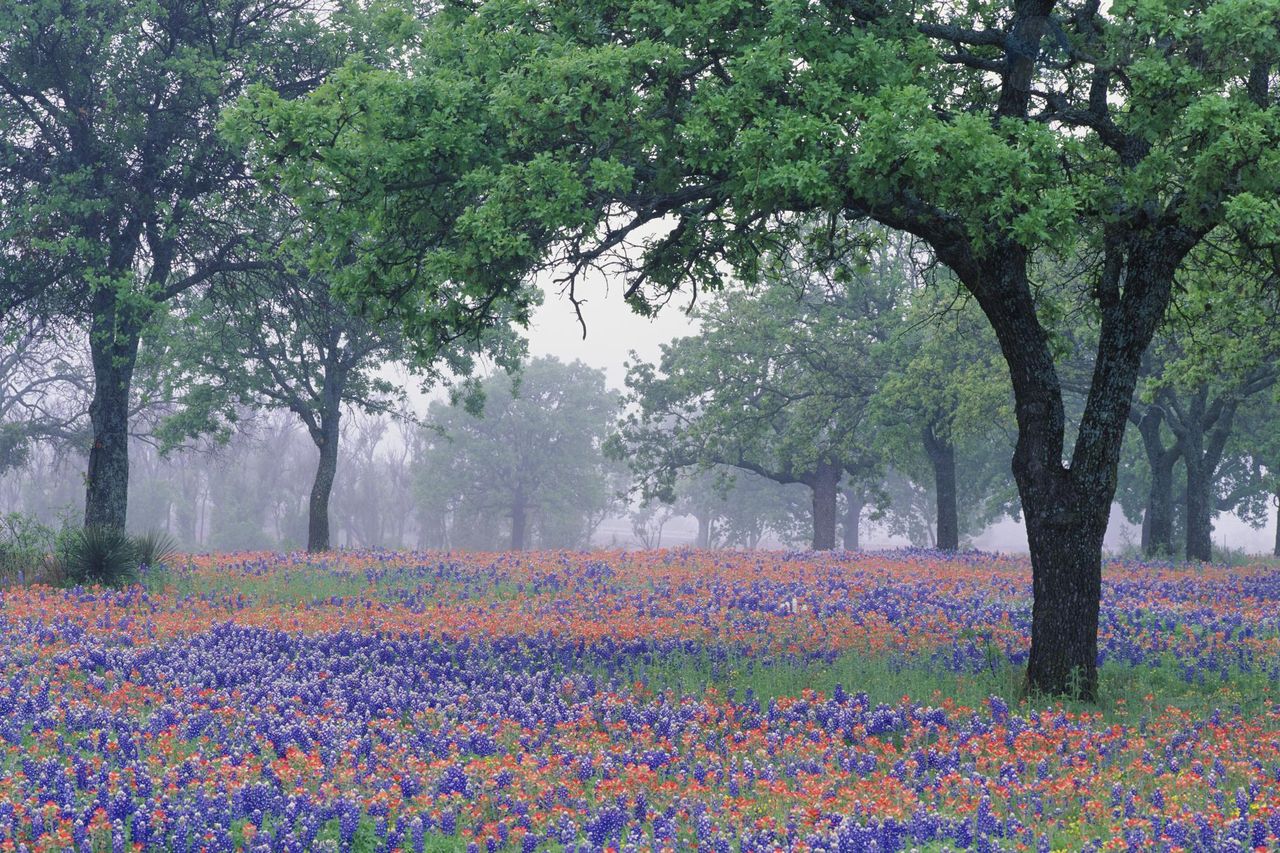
(530, 462)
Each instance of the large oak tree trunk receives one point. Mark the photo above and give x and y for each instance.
(1066, 548)
(942, 456)
(1067, 505)
(322, 488)
(825, 484)
(114, 353)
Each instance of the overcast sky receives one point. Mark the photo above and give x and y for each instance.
(613, 329)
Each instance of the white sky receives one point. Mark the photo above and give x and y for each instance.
(613, 329)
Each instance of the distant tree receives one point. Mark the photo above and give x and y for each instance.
(375, 506)
(44, 389)
(947, 404)
(1219, 349)
(530, 462)
(777, 383)
(282, 340)
(733, 508)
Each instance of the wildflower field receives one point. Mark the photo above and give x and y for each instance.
(553, 701)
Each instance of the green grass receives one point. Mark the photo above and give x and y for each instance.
(1127, 694)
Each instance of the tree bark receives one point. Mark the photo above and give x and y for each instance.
(825, 484)
(322, 487)
(1199, 514)
(1203, 428)
(114, 352)
(942, 455)
(1157, 521)
(854, 502)
(1067, 506)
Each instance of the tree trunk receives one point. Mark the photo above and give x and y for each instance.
(1157, 521)
(825, 484)
(1067, 506)
(519, 520)
(1212, 430)
(942, 455)
(854, 502)
(704, 530)
(318, 509)
(1276, 552)
(1066, 559)
(114, 353)
(1199, 508)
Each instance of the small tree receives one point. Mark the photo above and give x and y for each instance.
(284, 341)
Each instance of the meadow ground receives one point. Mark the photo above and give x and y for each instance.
(563, 701)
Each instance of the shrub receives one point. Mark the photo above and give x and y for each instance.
(99, 555)
(24, 547)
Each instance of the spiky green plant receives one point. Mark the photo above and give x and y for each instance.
(100, 555)
(155, 548)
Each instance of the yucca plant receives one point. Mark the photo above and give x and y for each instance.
(155, 548)
(100, 555)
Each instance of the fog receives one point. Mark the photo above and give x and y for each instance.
(252, 491)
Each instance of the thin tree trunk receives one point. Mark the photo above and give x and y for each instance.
(114, 354)
(1276, 552)
(825, 484)
(942, 455)
(322, 487)
(854, 502)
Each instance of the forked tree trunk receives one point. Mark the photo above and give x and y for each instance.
(825, 484)
(322, 487)
(1067, 506)
(114, 354)
(1203, 428)
(942, 456)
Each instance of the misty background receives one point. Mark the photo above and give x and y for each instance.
(251, 492)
